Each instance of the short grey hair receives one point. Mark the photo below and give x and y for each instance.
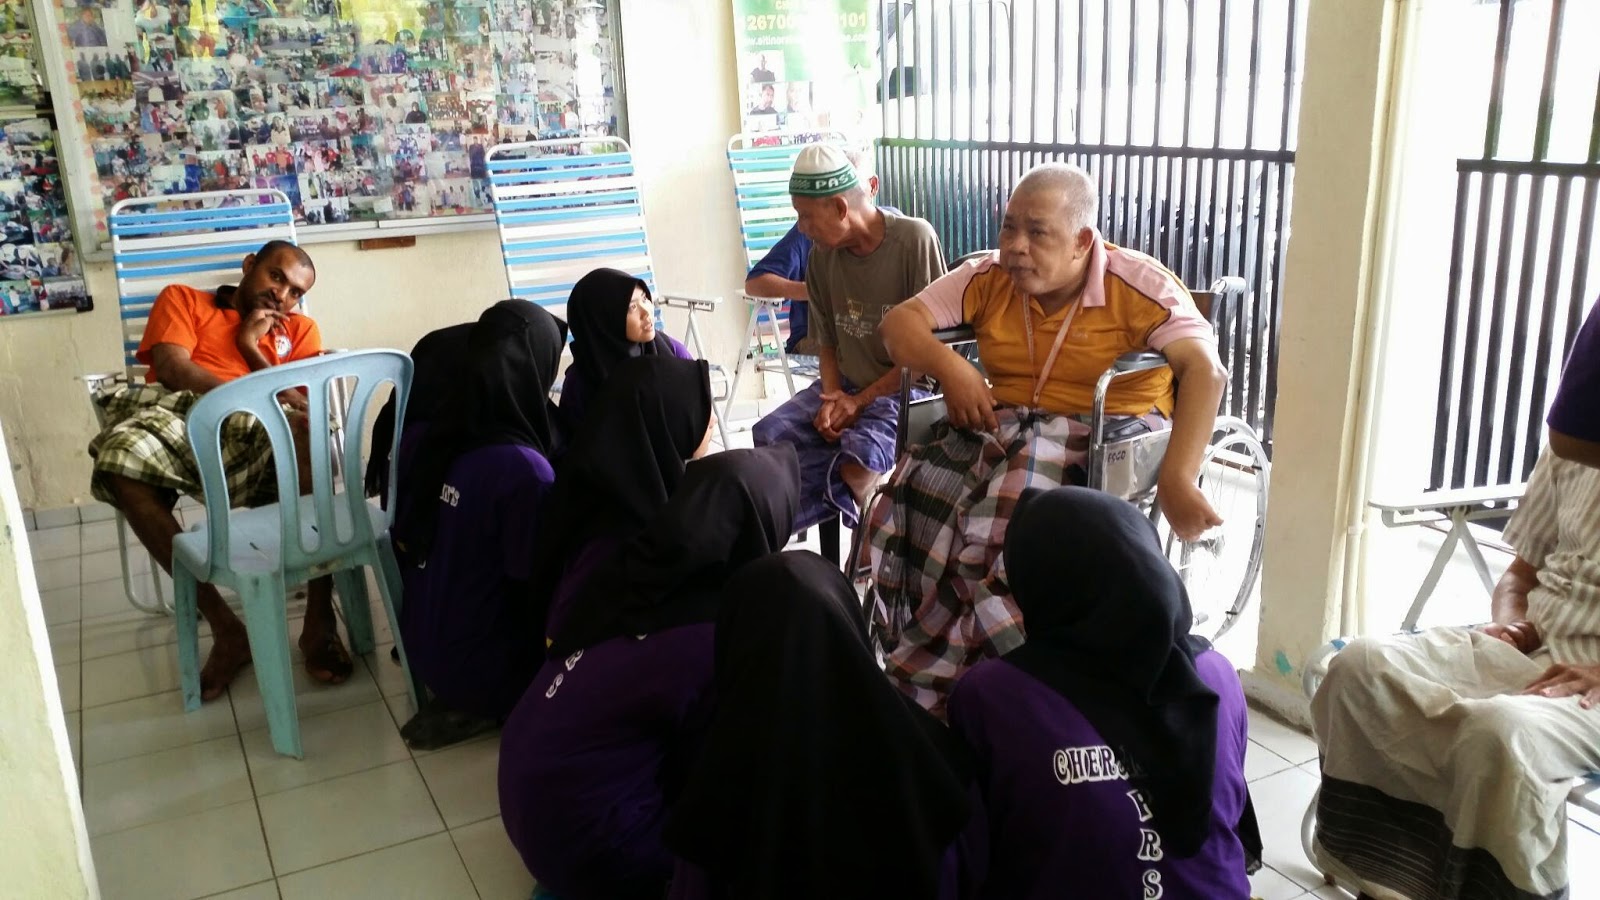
(1079, 195)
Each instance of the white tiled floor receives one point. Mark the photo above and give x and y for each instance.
(196, 805)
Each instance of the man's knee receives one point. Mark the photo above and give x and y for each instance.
(129, 492)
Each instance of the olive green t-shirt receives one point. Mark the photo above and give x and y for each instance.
(850, 294)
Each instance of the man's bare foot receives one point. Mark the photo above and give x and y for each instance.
(230, 653)
(327, 660)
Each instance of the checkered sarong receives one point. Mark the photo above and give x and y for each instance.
(146, 439)
(936, 536)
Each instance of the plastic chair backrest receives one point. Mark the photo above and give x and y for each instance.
(156, 242)
(566, 207)
(256, 394)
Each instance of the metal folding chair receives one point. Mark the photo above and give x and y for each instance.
(761, 164)
(568, 206)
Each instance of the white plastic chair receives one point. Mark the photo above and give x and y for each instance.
(260, 552)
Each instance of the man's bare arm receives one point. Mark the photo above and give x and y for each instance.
(774, 286)
(1576, 450)
(1509, 602)
(907, 332)
(1201, 381)
(175, 369)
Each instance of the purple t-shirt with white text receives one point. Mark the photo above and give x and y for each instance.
(1059, 811)
(585, 757)
(462, 622)
(1576, 412)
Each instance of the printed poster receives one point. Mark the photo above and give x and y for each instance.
(806, 65)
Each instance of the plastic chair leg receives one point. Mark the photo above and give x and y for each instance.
(268, 627)
(389, 585)
(186, 610)
(352, 587)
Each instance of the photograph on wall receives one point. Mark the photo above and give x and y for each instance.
(369, 109)
(39, 266)
(20, 84)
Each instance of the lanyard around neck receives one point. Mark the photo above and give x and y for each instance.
(1039, 375)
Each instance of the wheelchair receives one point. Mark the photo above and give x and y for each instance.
(1220, 570)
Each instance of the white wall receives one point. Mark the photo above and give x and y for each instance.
(682, 106)
(44, 849)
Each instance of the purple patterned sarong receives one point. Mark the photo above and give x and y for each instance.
(868, 443)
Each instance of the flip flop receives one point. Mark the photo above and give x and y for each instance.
(329, 655)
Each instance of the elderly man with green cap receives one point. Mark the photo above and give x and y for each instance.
(864, 260)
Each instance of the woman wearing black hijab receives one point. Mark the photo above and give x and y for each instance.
(591, 757)
(613, 319)
(469, 516)
(1110, 746)
(816, 778)
(653, 415)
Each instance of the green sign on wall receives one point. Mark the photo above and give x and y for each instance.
(803, 63)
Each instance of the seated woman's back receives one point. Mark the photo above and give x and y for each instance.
(472, 487)
(605, 731)
(1109, 747)
(1059, 803)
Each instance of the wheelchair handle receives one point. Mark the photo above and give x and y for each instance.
(1230, 285)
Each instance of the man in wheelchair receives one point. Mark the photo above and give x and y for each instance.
(1052, 310)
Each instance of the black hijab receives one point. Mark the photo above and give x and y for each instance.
(438, 360)
(626, 459)
(729, 509)
(1108, 620)
(598, 311)
(501, 396)
(815, 772)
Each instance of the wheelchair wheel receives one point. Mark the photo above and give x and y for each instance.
(1222, 568)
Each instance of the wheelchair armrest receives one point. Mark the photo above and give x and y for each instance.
(684, 301)
(960, 334)
(1138, 361)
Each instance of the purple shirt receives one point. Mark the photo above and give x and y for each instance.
(584, 758)
(1576, 412)
(1056, 816)
(574, 401)
(461, 622)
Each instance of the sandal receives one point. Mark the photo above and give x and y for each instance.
(328, 656)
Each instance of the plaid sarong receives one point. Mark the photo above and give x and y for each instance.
(936, 534)
(145, 439)
(868, 443)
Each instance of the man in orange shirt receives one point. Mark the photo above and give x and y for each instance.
(1052, 310)
(193, 342)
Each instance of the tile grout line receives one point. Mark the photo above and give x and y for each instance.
(250, 775)
(468, 869)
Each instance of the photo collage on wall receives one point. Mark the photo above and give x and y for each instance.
(39, 267)
(358, 110)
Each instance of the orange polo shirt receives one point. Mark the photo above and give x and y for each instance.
(1130, 302)
(193, 320)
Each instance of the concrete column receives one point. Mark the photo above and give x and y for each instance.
(1328, 334)
(44, 849)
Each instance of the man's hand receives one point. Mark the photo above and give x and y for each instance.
(839, 411)
(968, 402)
(1521, 634)
(295, 400)
(1569, 681)
(254, 325)
(1186, 508)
